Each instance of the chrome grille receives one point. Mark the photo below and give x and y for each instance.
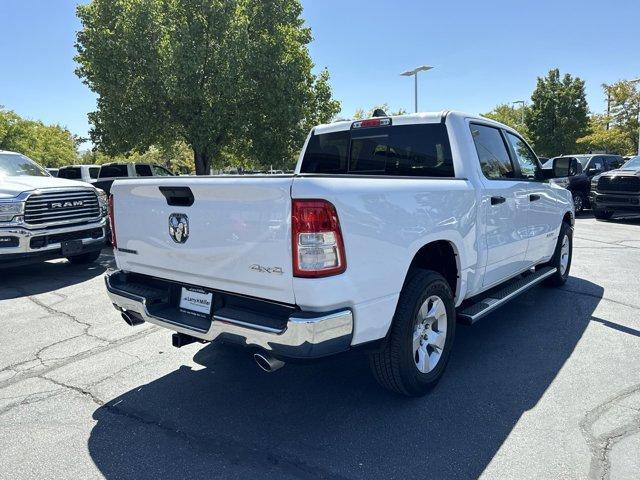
(627, 183)
(61, 207)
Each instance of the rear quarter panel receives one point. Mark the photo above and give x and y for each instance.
(385, 221)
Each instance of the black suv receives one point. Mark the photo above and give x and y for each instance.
(580, 184)
(617, 190)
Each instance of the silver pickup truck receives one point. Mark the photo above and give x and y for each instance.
(43, 217)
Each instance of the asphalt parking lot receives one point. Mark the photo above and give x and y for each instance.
(546, 387)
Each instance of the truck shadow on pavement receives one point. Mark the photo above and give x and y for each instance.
(331, 420)
(16, 282)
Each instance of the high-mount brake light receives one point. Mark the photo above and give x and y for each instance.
(318, 249)
(372, 122)
(112, 223)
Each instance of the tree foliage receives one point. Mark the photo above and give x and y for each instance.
(49, 145)
(177, 157)
(558, 115)
(624, 100)
(218, 75)
(601, 139)
(361, 113)
(510, 116)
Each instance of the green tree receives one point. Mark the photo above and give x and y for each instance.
(215, 74)
(558, 115)
(510, 116)
(361, 113)
(49, 145)
(177, 157)
(624, 101)
(601, 138)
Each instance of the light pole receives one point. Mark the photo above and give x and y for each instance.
(414, 73)
(636, 80)
(521, 111)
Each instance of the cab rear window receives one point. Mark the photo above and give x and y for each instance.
(421, 150)
(108, 171)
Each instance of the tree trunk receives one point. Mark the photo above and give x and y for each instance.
(203, 163)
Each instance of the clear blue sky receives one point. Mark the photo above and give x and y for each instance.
(484, 52)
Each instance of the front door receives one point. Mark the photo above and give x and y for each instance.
(544, 216)
(505, 206)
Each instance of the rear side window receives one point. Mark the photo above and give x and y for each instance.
(108, 171)
(93, 172)
(421, 150)
(143, 171)
(70, 173)
(492, 152)
(160, 171)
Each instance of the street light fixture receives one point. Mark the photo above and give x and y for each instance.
(521, 111)
(414, 74)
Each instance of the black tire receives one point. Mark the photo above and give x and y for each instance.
(394, 365)
(84, 258)
(602, 214)
(560, 277)
(579, 202)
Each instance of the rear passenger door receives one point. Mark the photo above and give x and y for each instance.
(544, 211)
(505, 205)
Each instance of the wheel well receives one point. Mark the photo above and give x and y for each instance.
(568, 218)
(439, 256)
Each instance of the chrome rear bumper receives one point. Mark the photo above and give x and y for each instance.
(306, 334)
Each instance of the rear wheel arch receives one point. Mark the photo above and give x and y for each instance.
(440, 256)
(568, 218)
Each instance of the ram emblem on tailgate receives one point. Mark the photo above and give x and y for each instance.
(179, 227)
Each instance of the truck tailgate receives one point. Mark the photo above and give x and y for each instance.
(238, 240)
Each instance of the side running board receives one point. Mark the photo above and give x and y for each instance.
(494, 299)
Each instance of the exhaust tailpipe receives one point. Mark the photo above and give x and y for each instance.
(132, 318)
(267, 363)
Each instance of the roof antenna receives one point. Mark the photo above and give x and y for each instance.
(378, 112)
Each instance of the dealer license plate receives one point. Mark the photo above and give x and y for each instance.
(196, 301)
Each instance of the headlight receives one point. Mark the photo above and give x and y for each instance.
(594, 182)
(103, 201)
(561, 182)
(8, 210)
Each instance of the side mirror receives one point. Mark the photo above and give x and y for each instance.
(565, 167)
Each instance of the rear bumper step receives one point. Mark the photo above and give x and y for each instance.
(472, 313)
(283, 330)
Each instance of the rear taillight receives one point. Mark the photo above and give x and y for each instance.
(112, 223)
(318, 249)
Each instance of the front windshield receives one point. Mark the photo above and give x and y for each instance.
(16, 165)
(632, 164)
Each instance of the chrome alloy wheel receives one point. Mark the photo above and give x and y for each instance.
(564, 255)
(429, 334)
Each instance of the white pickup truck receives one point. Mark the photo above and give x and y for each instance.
(390, 230)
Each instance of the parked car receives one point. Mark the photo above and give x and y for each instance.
(43, 217)
(617, 190)
(390, 229)
(52, 171)
(112, 171)
(82, 173)
(580, 184)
